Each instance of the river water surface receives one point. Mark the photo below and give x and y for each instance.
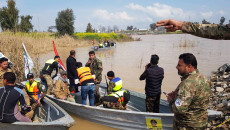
(128, 60)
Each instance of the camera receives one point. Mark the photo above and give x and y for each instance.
(28, 109)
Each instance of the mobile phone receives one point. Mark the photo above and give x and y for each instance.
(165, 93)
(148, 65)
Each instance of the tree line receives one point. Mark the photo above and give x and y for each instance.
(9, 21)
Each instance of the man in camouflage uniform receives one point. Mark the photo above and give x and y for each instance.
(212, 31)
(96, 68)
(189, 102)
(3, 69)
(116, 98)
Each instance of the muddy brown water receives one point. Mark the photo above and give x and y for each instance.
(128, 60)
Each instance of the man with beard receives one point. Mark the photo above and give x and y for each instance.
(189, 102)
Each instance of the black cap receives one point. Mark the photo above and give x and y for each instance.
(110, 74)
(30, 75)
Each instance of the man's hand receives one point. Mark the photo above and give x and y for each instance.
(64, 98)
(147, 66)
(70, 96)
(170, 96)
(170, 25)
(39, 102)
(89, 61)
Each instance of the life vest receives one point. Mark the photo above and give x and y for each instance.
(118, 84)
(33, 90)
(84, 73)
(119, 95)
(49, 62)
(47, 69)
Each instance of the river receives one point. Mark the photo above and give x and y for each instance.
(128, 60)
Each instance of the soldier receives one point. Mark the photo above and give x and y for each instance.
(36, 93)
(3, 69)
(212, 31)
(50, 65)
(61, 88)
(96, 68)
(116, 98)
(189, 102)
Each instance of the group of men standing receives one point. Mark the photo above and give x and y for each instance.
(89, 76)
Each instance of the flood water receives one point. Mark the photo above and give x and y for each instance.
(128, 60)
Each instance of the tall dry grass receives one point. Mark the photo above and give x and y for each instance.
(11, 46)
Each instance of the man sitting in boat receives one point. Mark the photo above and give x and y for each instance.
(3, 69)
(36, 92)
(116, 98)
(61, 89)
(100, 45)
(10, 97)
(87, 84)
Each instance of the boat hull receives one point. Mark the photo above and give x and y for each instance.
(134, 117)
(56, 119)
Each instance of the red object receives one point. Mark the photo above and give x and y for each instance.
(92, 41)
(56, 54)
(73, 91)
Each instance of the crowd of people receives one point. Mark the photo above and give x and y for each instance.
(106, 44)
(23, 101)
(189, 101)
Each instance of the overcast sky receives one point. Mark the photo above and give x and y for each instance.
(139, 13)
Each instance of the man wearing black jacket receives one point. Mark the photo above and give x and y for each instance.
(153, 75)
(71, 64)
(10, 97)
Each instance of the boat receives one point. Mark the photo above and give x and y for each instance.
(52, 117)
(134, 117)
(97, 48)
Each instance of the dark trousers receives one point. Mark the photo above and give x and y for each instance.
(97, 95)
(72, 86)
(153, 103)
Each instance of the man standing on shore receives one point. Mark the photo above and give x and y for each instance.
(71, 64)
(153, 76)
(189, 102)
(212, 31)
(3, 69)
(96, 68)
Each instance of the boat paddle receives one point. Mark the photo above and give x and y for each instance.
(106, 85)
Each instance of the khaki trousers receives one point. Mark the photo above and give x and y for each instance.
(49, 81)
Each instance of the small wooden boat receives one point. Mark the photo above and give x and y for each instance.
(134, 117)
(52, 117)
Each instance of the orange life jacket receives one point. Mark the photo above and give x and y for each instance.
(84, 73)
(33, 90)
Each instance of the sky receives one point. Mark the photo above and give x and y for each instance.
(122, 13)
